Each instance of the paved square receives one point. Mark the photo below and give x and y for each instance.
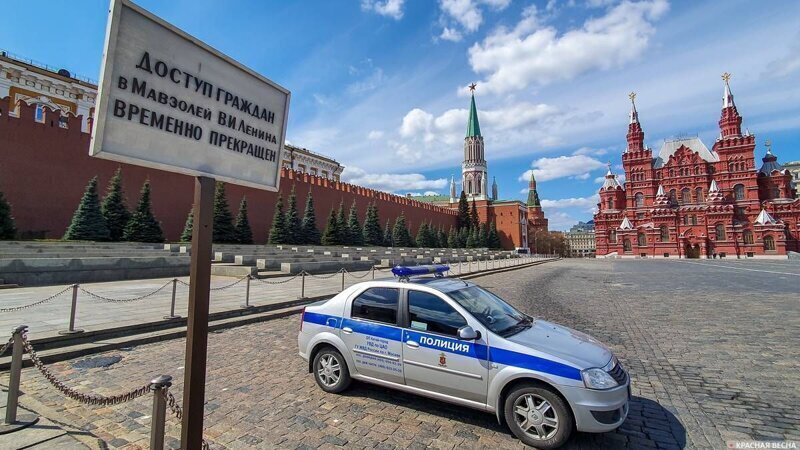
(712, 348)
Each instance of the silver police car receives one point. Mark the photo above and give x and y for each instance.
(451, 340)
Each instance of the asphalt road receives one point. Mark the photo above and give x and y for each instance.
(712, 348)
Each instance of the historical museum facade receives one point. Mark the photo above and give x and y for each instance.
(687, 201)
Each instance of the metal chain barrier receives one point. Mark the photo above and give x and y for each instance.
(89, 399)
(228, 286)
(7, 345)
(17, 308)
(355, 276)
(325, 277)
(177, 410)
(277, 282)
(123, 300)
(183, 283)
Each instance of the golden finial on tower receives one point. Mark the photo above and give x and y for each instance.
(768, 144)
(472, 87)
(726, 77)
(632, 96)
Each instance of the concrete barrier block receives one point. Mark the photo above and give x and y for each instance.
(245, 260)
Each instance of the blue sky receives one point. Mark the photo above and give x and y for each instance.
(380, 85)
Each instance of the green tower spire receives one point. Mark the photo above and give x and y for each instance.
(473, 127)
(533, 196)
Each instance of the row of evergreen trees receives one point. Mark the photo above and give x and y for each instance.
(111, 220)
(8, 230)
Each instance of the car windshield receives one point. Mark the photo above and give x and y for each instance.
(490, 310)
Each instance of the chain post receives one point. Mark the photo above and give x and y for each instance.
(159, 386)
(247, 293)
(343, 278)
(12, 422)
(303, 284)
(72, 311)
(373, 271)
(172, 303)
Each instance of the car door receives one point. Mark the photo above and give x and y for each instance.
(433, 357)
(371, 333)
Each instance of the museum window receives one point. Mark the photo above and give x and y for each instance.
(671, 172)
(611, 203)
(693, 220)
(301, 168)
(738, 213)
(639, 199)
(738, 192)
(686, 195)
(685, 220)
(776, 192)
(612, 237)
(769, 243)
(673, 197)
(664, 233)
(324, 174)
(747, 237)
(642, 240)
(39, 114)
(640, 216)
(720, 232)
(698, 193)
(626, 245)
(377, 304)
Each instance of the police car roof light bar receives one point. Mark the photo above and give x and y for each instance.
(405, 272)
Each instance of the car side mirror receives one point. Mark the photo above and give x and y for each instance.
(467, 333)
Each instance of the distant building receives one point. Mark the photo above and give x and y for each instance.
(794, 168)
(580, 240)
(305, 161)
(687, 201)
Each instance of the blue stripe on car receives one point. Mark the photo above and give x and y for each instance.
(478, 351)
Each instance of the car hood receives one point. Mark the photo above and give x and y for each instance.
(572, 346)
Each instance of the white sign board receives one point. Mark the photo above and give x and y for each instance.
(170, 102)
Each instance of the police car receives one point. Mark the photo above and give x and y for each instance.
(451, 340)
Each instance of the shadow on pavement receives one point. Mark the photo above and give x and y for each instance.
(649, 425)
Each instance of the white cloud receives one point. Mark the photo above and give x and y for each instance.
(786, 65)
(559, 220)
(450, 34)
(584, 203)
(388, 8)
(529, 53)
(391, 182)
(420, 194)
(466, 15)
(368, 83)
(374, 135)
(417, 123)
(590, 151)
(575, 166)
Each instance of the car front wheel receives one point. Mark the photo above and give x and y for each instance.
(330, 371)
(538, 417)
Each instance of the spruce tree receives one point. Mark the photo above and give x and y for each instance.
(388, 239)
(463, 235)
(7, 228)
(441, 237)
(343, 236)
(471, 238)
(401, 237)
(332, 233)
(423, 236)
(452, 238)
(143, 225)
(244, 235)
(114, 210)
(473, 216)
(372, 227)
(88, 223)
(493, 238)
(277, 231)
(462, 220)
(481, 240)
(186, 235)
(224, 231)
(354, 231)
(309, 233)
(293, 230)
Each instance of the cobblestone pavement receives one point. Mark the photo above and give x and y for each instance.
(712, 351)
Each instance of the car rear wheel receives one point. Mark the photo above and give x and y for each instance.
(538, 417)
(330, 371)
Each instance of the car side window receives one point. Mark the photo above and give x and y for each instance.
(378, 304)
(427, 312)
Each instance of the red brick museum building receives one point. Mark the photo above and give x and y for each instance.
(687, 201)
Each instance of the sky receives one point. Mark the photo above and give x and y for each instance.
(381, 85)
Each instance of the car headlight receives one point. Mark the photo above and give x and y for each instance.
(598, 379)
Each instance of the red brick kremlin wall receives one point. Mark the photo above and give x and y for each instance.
(44, 169)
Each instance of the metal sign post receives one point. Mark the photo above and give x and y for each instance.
(194, 380)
